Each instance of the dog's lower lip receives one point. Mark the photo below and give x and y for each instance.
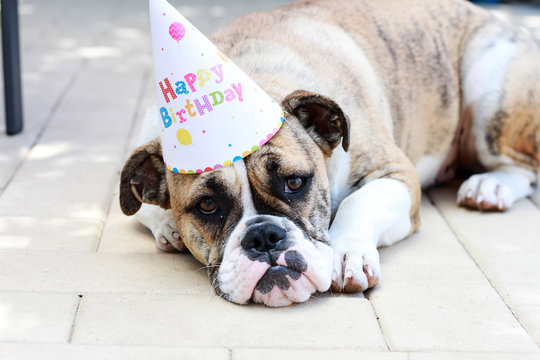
(276, 276)
(280, 267)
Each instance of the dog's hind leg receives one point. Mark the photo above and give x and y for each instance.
(501, 91)
(496, 190)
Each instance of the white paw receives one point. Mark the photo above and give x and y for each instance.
(485, 192)
(161, 223)
(355, 270)
(168, 239)
(166, 235)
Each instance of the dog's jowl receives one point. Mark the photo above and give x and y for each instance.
(380, 99)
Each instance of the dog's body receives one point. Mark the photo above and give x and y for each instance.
(419, 89)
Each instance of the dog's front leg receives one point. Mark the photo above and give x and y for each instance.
(377, 214)
(161, 223)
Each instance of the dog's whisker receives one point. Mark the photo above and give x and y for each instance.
(206, 268)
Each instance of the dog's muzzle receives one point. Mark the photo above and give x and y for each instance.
(266, 242)
(273, 262)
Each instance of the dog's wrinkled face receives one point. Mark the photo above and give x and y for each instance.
(260, 225)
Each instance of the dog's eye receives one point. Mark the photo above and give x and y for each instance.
(293, 184)
(207, 205)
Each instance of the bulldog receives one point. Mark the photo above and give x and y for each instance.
(381, 99)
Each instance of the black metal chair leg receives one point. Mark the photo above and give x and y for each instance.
(12, 67)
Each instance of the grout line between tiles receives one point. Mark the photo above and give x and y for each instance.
(102, 228)
(367, 295)
(302, 348)
(72, 330)
(478, 265)
(42, 129)
(74, 76)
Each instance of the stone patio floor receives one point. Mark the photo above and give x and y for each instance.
(79, 280)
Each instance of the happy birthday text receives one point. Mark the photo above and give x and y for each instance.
(201, 106)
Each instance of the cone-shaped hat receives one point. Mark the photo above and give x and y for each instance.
(212, 114)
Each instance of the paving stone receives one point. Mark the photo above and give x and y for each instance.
(80, 272)
(35, 317)
(334, 354)
(529, 317)
(63, 179)
(473, 356)
(441, 301)
(200, 321)
(433, 241)
(55, 42)
(456, 315)
(13, 150)
(71, 172)
(83, 352)
(125, 234)
(505, 245)
(27, 233)
(40, 93)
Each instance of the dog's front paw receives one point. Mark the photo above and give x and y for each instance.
(484, 192)
(161, 223)
(355, 270)
(165, 232)
(167, 237)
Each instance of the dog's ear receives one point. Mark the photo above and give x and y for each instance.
(143, 179)
(322, 117)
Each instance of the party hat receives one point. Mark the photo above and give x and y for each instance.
(212, 114)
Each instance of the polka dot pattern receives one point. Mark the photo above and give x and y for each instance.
(236, 158)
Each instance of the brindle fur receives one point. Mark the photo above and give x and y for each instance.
(413, 106)
(396, 70)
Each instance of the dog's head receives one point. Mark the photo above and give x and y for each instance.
(260, 225)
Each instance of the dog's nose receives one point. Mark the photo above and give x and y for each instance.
(263, 237)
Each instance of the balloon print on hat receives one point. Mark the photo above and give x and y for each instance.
(212, 114)
(184, 137)
(177, 31)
